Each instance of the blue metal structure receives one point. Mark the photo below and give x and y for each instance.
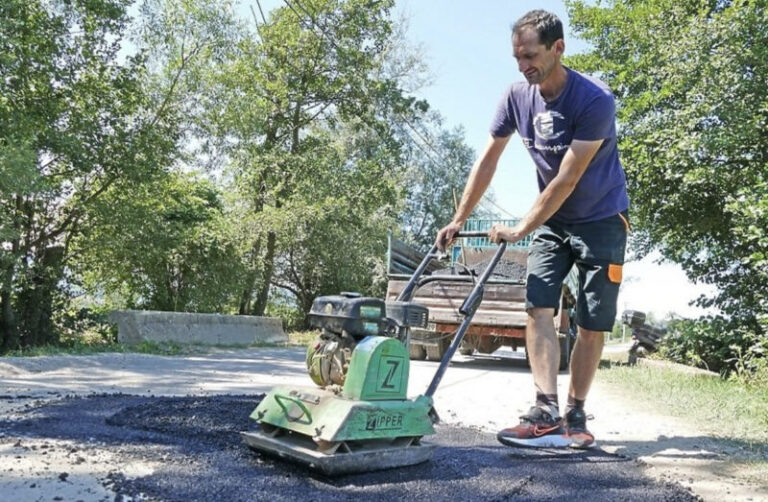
(481, 225)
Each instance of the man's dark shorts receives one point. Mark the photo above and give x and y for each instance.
(597, 249)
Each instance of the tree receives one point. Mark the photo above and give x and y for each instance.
(438, 164)
(313, 64)
(74, 119)
(334, 234)
(163, 245)
(690, 77)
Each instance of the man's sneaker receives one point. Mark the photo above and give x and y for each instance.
(576, 429)
(538, 428)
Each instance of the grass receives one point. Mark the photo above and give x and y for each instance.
(301, 338)
(92, 345)
(726, 409)
(84, 349)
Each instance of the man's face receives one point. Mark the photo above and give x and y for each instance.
(534, 60)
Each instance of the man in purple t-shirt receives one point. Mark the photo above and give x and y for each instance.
(566, 121)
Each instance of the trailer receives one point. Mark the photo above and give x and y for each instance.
(501, 318)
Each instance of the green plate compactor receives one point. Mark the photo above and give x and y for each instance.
(359, 418)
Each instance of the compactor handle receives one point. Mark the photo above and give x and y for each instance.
(471, 233)
(407, 293)
(468, 311)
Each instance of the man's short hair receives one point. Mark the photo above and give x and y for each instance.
(547, 25)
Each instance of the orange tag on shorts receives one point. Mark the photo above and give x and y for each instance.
(614, 273)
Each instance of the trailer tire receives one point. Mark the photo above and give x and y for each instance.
(435, 352)
(417, 352)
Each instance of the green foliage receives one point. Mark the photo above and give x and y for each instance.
(315, 162)
(74, 119)
(690, 77)
(218, 169)
(716, 344)
(287, 310)
(84, 327)
(164, 246)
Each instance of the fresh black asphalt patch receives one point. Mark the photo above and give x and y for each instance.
(195, 445)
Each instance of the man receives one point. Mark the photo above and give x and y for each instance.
(566, 121)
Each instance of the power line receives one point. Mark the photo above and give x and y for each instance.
(411, 126)
(434, 162)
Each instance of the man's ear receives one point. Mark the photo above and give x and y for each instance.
(559, 45)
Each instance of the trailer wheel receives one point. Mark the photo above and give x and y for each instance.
(437, 351)
(466, 349)
(434, 353)
(417, 352)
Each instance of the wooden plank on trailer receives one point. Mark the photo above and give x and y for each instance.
(495, 292)
(405, 259)
(509, 319)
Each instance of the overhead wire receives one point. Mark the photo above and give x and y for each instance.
(426, 142)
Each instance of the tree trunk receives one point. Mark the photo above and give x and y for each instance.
(250, 280)
(269, 259)
(306, 306)
(262, 296)
(247, 293)
(9, 330)
(9, 335)
(35, 304)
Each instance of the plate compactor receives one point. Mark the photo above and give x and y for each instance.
(359, 418)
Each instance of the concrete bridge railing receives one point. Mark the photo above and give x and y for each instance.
(136, 326)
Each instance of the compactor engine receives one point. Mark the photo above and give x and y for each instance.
(348, 318)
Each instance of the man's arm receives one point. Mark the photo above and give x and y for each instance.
(575, 162)
(479, 179)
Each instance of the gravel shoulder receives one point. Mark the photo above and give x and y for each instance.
(479, 393)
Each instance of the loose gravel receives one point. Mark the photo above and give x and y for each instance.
(505, 269)
(193, 451)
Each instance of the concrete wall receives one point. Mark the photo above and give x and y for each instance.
(135, 326)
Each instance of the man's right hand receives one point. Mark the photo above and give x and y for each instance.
(445, 236)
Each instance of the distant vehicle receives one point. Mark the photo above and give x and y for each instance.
(645, 337)
(501, 318)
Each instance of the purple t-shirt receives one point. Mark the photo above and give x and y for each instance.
(585, 110)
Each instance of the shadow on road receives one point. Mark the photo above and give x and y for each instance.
(695, 447)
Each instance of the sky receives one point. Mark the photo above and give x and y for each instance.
(466, 45)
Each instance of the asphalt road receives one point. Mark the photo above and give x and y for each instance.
(192, 452)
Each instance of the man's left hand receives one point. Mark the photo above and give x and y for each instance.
(501, 232)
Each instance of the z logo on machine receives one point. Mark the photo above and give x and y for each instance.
(544, 123)
(388, 383)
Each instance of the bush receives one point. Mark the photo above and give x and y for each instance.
(84, 326)
(291, 314)
(717, 344)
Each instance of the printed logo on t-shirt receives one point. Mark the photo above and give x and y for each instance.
(544, 123)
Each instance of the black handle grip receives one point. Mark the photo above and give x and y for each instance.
(473, 233)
